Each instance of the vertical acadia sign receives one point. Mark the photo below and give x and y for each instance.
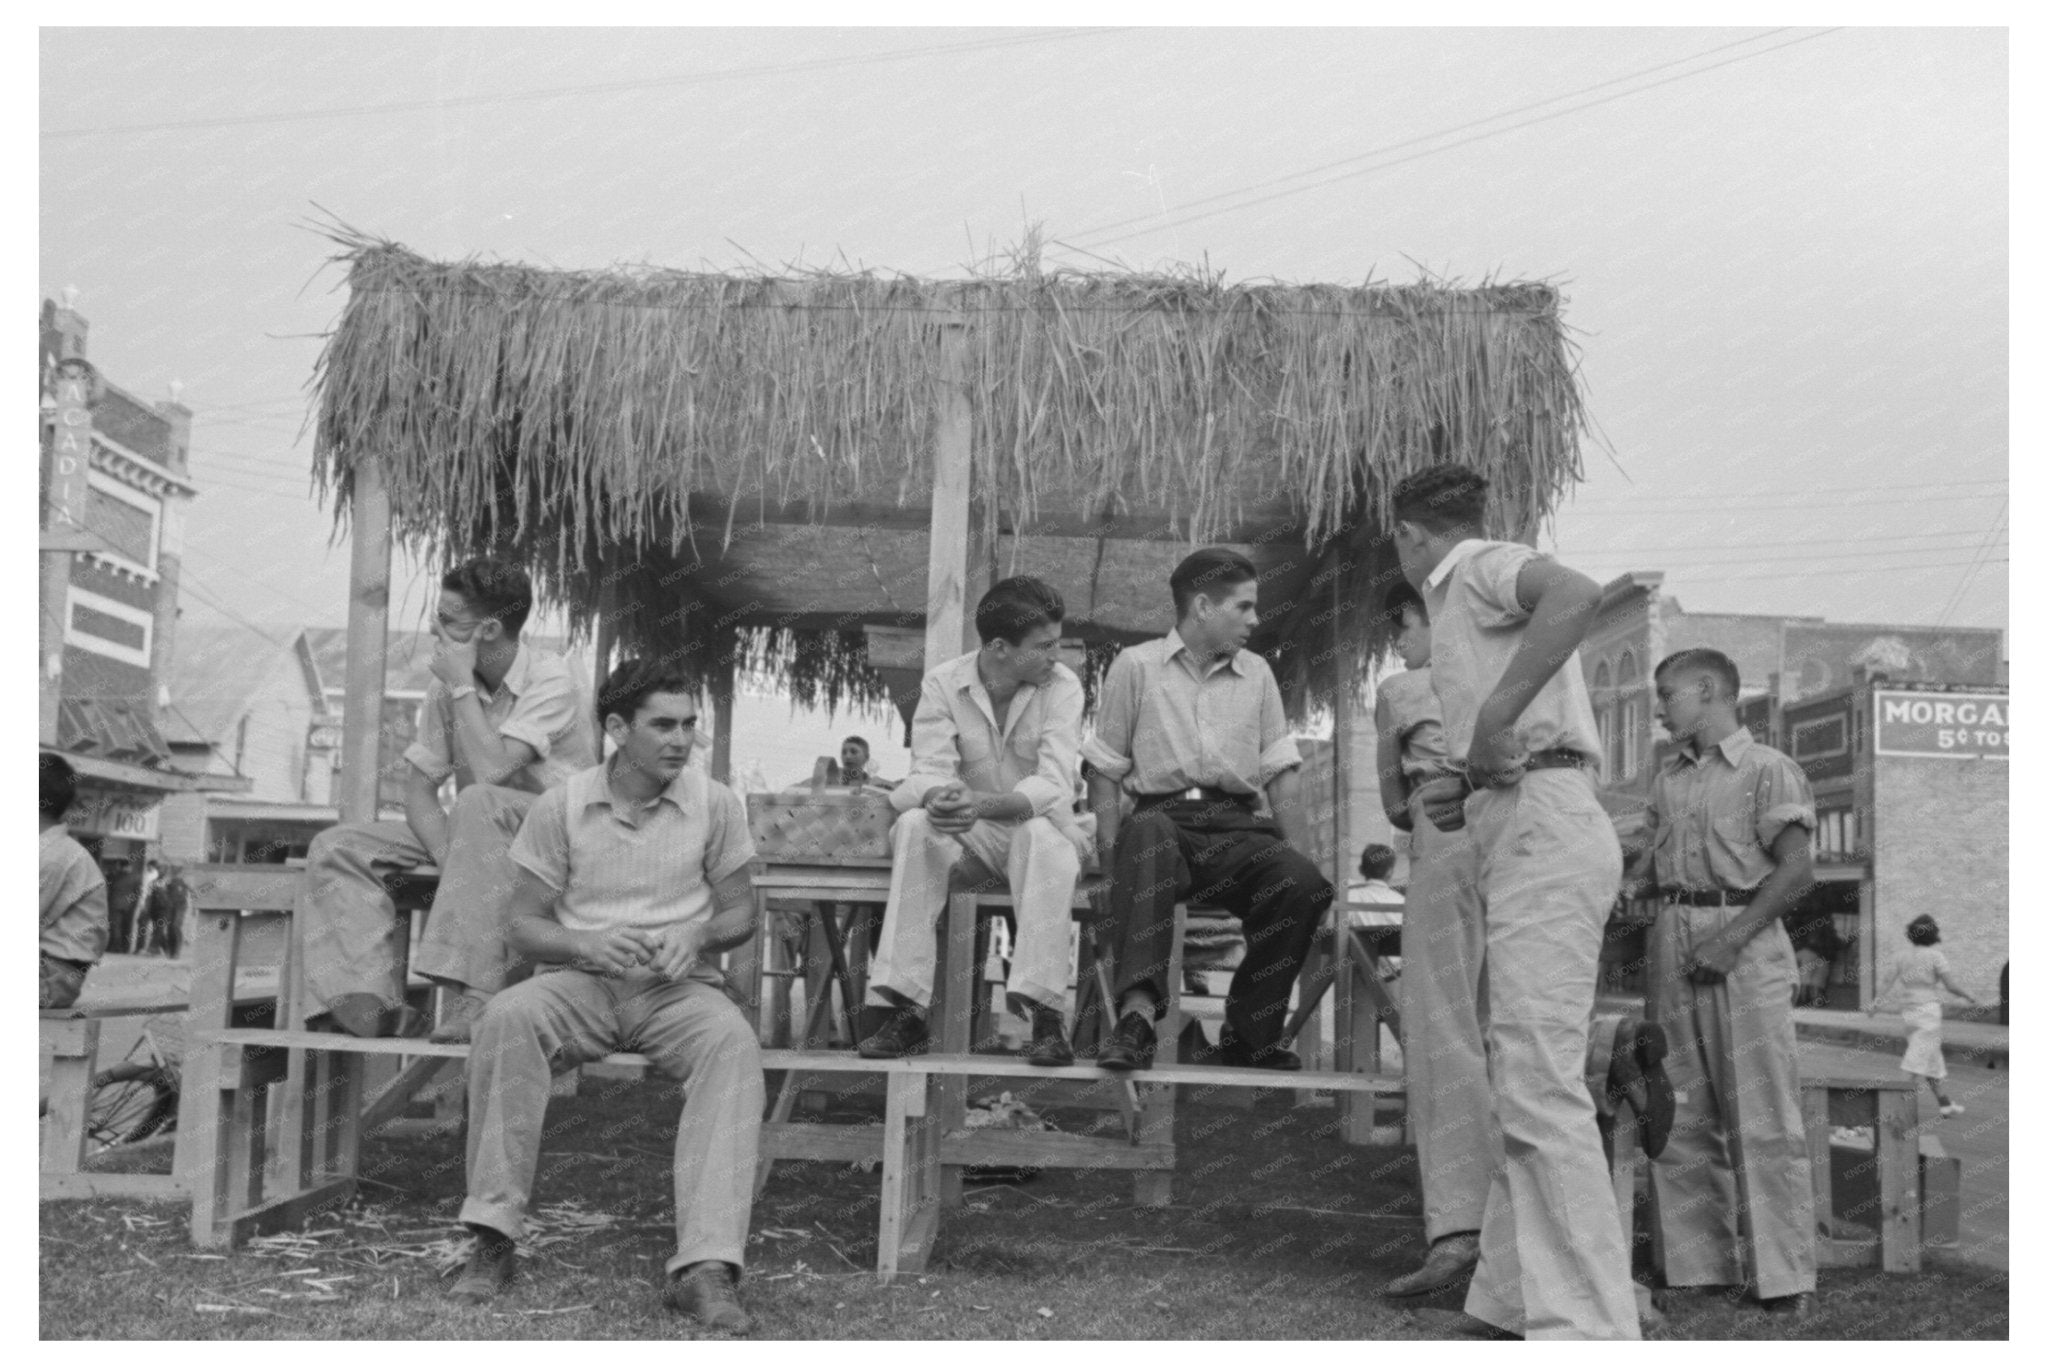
(1942, 725)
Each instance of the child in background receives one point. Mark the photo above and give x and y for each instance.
(1921, 973)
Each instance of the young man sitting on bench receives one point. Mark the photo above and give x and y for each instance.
(632, 878)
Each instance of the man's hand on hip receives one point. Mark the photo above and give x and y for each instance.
(1443, 801)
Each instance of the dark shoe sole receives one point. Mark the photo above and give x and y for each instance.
(1049, 1060)
(1121, 1062)
(1653, 1123)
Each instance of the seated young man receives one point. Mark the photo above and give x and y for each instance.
(508, 721)
(73, 891)
(996, 739)
(632, 878)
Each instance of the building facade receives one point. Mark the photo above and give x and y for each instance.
(113, 487)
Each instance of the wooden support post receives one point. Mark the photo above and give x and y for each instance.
(910, 1177)
(721, 712)
(956, 562)
(953, 1012)
(369, 610)
(1820, 1156)
(1896, 1140)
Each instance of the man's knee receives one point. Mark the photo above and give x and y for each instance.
(1045, 841)
(488, 805)
(914, 826)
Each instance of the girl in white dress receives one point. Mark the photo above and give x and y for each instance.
(1920, 974)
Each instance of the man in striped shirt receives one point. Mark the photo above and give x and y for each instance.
(632, 879)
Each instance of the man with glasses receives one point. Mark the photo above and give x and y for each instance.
(507, 722)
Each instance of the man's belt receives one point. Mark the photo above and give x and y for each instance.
(1719, 897)
(1198, 793)
(1556, 759)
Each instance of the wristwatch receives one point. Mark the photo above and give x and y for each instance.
(461, 691)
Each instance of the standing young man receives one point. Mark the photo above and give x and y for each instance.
(1730, 844)
(508, 721)
(1192, 726)
(632, 878)
(995, 744)
(1506, 625)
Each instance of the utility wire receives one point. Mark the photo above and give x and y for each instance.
(1955, 599)
(1382, 150)
(1433, 151)
(596, 88)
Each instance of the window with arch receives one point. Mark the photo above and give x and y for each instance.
(1631, 720)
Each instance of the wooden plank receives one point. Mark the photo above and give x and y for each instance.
(1897, 1135)
(118, 1186)
(243, 1151)
(1820, 1157)
(369, 611)
(1052, 1149)
(289, 1212)
(836, 1143)
(75, 1047)
(202, 1133)
(904, 1114)
(953, 1007)
(396, 1095)
(245, 887)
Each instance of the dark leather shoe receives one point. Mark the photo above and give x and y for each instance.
(490, 1270)
(1636, 1073)
(902, 1033)
(1798, 1306)
(1450, 1261)
(709, 1294)
(1048, 1047)
(1129, 1045)
(1235, 1053)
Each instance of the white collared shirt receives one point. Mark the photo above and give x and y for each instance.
(954, 737)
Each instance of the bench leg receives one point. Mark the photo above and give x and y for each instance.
(1820, 1157)
(910, 1177)
(953, 1009)
(1897, 1136)
(1154, 1187)
(75, 1049)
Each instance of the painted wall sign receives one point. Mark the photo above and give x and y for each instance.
(1942, 725)
(124, 815)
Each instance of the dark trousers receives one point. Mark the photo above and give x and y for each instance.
(1219, 854)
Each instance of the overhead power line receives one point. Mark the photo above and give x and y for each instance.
(594, 88)
(1089, 246)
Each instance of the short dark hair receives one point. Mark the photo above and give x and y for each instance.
(1922, 930)
(1210, 571)
(1014, 608)
(1707, 660)
(861, 741)
(1402, 598)
(632, 683)
(493, 588)
(1443, 498)
(56, 785)
(1375, 861)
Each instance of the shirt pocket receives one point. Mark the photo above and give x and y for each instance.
(1733, 851)
(977, 759)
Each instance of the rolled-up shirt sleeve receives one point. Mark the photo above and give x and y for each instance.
(430, 751)
(542, 845)
(1052, 784)
(1494, 575)
(728, 842)
(547, 709)
(1277, 751)
(1108, 747)
(934, 746)
(1783, 798)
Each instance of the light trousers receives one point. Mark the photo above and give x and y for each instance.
(1037, 861)
(1733, 1188)
(353, 937)
(689, 1031)
(1443, 1041)
(1553, 1263)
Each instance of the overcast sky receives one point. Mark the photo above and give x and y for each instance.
(1784, 251)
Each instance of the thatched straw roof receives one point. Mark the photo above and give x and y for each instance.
(758, 448)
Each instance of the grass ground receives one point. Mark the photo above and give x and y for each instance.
(1278, 1230)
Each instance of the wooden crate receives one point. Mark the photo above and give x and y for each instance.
(821, 827)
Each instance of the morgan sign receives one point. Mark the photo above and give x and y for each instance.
(1942, 725)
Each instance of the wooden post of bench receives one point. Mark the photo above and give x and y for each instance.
(910, 1176)
(75, 1046)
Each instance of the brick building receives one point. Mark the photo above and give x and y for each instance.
(113, 485)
